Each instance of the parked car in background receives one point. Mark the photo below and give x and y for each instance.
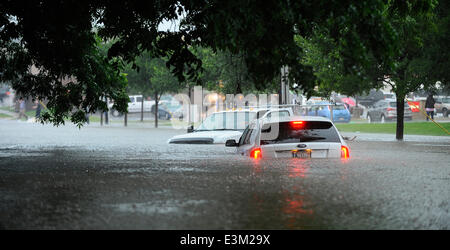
(386, 110)
(163, 113)
(135, 106)
(442, 105)
(323, 109)
(5, 92)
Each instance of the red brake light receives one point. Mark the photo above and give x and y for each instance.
(391, 109)
(345, 153)
(297, 124)
(256, 153)
(8, 93)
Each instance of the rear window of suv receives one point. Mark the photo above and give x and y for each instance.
(309, 131)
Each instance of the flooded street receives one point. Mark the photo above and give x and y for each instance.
(130, 178)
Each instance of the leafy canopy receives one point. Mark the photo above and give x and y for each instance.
(58, 38)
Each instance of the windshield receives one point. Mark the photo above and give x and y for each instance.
(312, 131)
(227, 121)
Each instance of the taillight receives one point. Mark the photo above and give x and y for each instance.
(8, 93)
(345, 153)
(391, 109)
(256, 153)
(297, 124)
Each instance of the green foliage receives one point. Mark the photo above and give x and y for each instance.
(437, 45)
(152, 77)
(225, 72)
(80, 91)
(321, 53)
(59, 38)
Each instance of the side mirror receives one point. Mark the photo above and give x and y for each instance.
(231, 143)
(190, 129)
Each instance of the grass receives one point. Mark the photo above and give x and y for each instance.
(2, 116)
(411, 128)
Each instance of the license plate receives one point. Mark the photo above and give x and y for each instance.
(303, 154)
(342, 118)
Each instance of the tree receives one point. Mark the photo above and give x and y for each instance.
(437, 45)
(224, 72)
(410, 67)
(58, 38)
(413, 67)
(321, 54)
(152, 79)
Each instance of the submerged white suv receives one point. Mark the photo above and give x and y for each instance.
(222, 126)
(292, 137)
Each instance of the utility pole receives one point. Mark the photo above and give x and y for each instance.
(284, 90)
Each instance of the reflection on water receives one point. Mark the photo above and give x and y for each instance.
(296, 207)
(298, 168)
(257, 168)
(293, 206)
(296, 211)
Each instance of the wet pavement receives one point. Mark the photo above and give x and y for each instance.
(130, 178)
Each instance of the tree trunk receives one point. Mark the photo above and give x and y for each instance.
(106, 118)
(238, 88)
(156, 110)
(106, 113)
(189, 110)
(142, 109)
(400, 116)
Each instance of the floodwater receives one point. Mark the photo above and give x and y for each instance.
(130, 178)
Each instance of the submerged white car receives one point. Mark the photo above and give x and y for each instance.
(227, 125)
(292, 137)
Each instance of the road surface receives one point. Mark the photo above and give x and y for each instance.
(130, 178)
